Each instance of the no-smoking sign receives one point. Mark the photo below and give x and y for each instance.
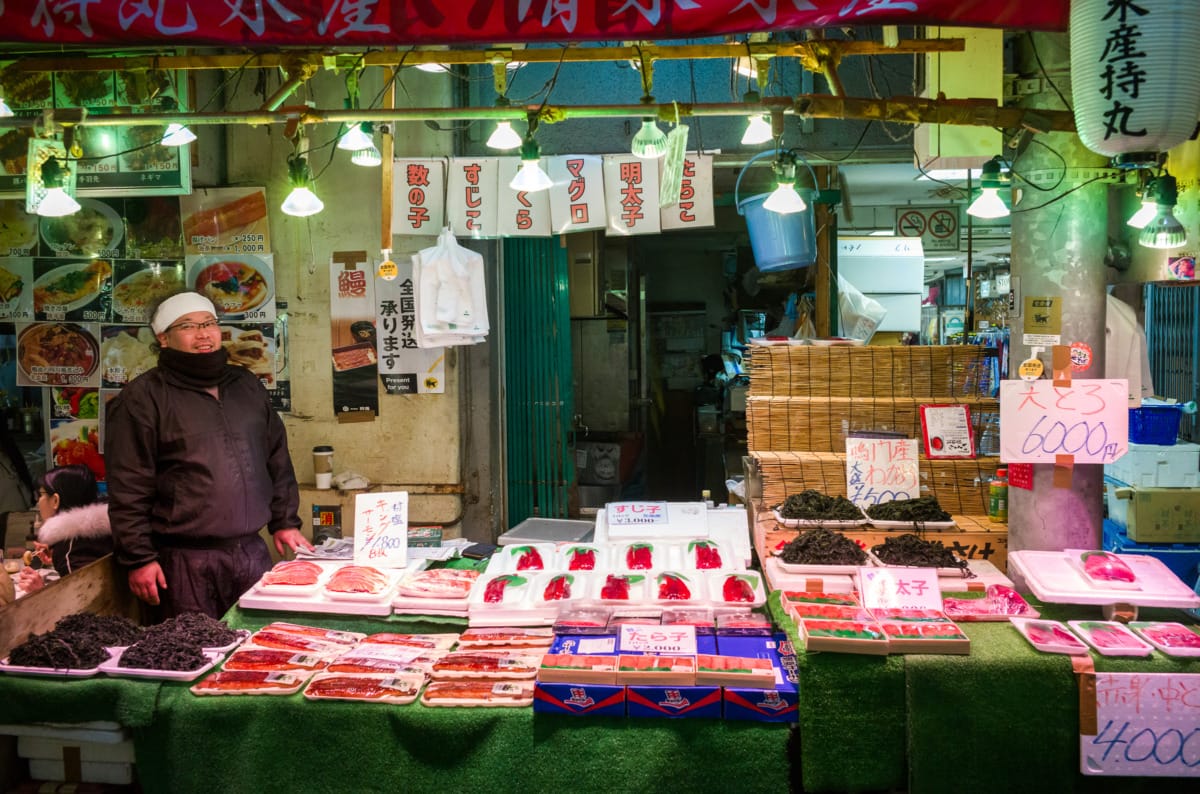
(936, 226)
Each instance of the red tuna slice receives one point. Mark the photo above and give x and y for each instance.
(558, 588)
(736, 588)
(494, 592)
(581, 559)
(640, 557)
(708, 556)
(529, 560)
(1107, 567)
(616, 588)
(673, 587)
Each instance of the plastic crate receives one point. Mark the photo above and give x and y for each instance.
(1183, 559)
(1154, 424)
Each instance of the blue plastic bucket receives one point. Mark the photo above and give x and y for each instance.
(779, 242)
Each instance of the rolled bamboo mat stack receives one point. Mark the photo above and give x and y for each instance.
(822, 423)
(958, 485)
(947, 372)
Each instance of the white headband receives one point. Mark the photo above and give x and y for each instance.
(176, 306)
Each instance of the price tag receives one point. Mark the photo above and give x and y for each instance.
(633, 513)
(381, 529)
(1039, 421)
(899, 588)
(1141, 724)
(881, 470)
(1031, 369)
(676, 640)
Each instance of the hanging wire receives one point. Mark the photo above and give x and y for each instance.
(1062, 195)
(1045, 74)
(1062, 176)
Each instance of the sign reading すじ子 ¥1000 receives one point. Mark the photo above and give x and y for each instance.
(319, 23)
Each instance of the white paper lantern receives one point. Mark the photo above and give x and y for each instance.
(1135, 73)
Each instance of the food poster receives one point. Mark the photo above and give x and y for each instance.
(280, 390)
(58, 354)
(153, 229)
(16, 291)
(74, 427)
(139, 285)
(116, 158)
(241, 286)
(252, 347)
(18, 229)
(403, 367)
(96, 230)
(229, 220)
(352, 337)
(126, 351)
(72, 289)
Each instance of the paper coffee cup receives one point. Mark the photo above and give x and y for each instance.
(323, 466)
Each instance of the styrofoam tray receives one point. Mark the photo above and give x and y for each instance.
(401, 689)
(639, 588)
(273, 683)
(1033, 629)
(503, 664)
(1160, 634)
(780, 579)
(508, 693)
(50, 672)
(812, 523)
(508, 558)
(956, 573)
(112, 667)
(728, 559)
(566, 553)
(1053, 577)
(412, 587)
(1093, 630)
(663, 556)
(693, 581)
(716, 588)
(822, 570)
(325, 602)
(914, 525)
(242, 634)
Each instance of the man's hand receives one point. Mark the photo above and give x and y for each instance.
(30, 580)
(145, 582)
(291, 539)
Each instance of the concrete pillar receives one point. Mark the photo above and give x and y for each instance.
(1057, 250)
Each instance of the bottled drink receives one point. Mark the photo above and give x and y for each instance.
(998, 497)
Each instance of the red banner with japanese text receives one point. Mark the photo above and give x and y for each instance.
(321, 23)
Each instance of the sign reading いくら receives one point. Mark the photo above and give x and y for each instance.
(418, 190)
(577, 197)
(471, 196)
(1039, 421)
(1143, 724)
(631, 194)
(881, 470)
(404, 367)
(381, 529)
(520, 213)
(694, 210)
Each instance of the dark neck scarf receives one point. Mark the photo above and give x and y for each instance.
(199, 370)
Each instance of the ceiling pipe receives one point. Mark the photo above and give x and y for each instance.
(297, 75)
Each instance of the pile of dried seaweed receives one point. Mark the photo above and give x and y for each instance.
(197, 628)
(59, 650)
(822, 547)
(163, 652)
(918, 511)
(105, 629)
(908, 549)
(810, 504)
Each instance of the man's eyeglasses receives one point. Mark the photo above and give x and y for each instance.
(188, 328)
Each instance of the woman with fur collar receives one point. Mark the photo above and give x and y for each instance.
(74, 528)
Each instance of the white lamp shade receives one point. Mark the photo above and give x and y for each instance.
(531, 178)
(57, 203)
(354, 139)
(650, 141)
(1134, 74)
(784, 200)
(1145, 213)
(5, 110)
(758, 130)
(1163, 231)
(302, 202)
(504, 137)
(988, 205)
(177, 135)
(368, 157)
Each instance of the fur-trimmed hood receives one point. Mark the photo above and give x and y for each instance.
(89, 521)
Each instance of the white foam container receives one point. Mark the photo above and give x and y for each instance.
(716, 588)
(1157, 466)
(1054, 576)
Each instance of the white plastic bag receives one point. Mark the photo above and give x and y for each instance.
(858, 315)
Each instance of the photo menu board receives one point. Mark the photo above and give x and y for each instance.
(110, 160)
(78, 290)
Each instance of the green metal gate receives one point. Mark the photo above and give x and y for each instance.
(538, 379)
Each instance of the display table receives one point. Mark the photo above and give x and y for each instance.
(1003, 719)
(186, 743)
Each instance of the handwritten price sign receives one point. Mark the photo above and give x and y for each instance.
(658, 639)
(1146, 724)
(881, 470)
(381, 529)
(1039, 421)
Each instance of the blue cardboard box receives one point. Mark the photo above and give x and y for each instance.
(764, 705)
(673, 701)
(579, 699)
(595, 644)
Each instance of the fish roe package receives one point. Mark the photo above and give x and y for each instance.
(394, 689)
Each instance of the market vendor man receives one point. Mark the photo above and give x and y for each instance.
(197, 464)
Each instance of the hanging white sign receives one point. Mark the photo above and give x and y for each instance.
(694, 210)
(631, 194)
(381, 529)
(577, 198)
(520, 213)
(418, 196)
(405, 368)
(471, 196)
